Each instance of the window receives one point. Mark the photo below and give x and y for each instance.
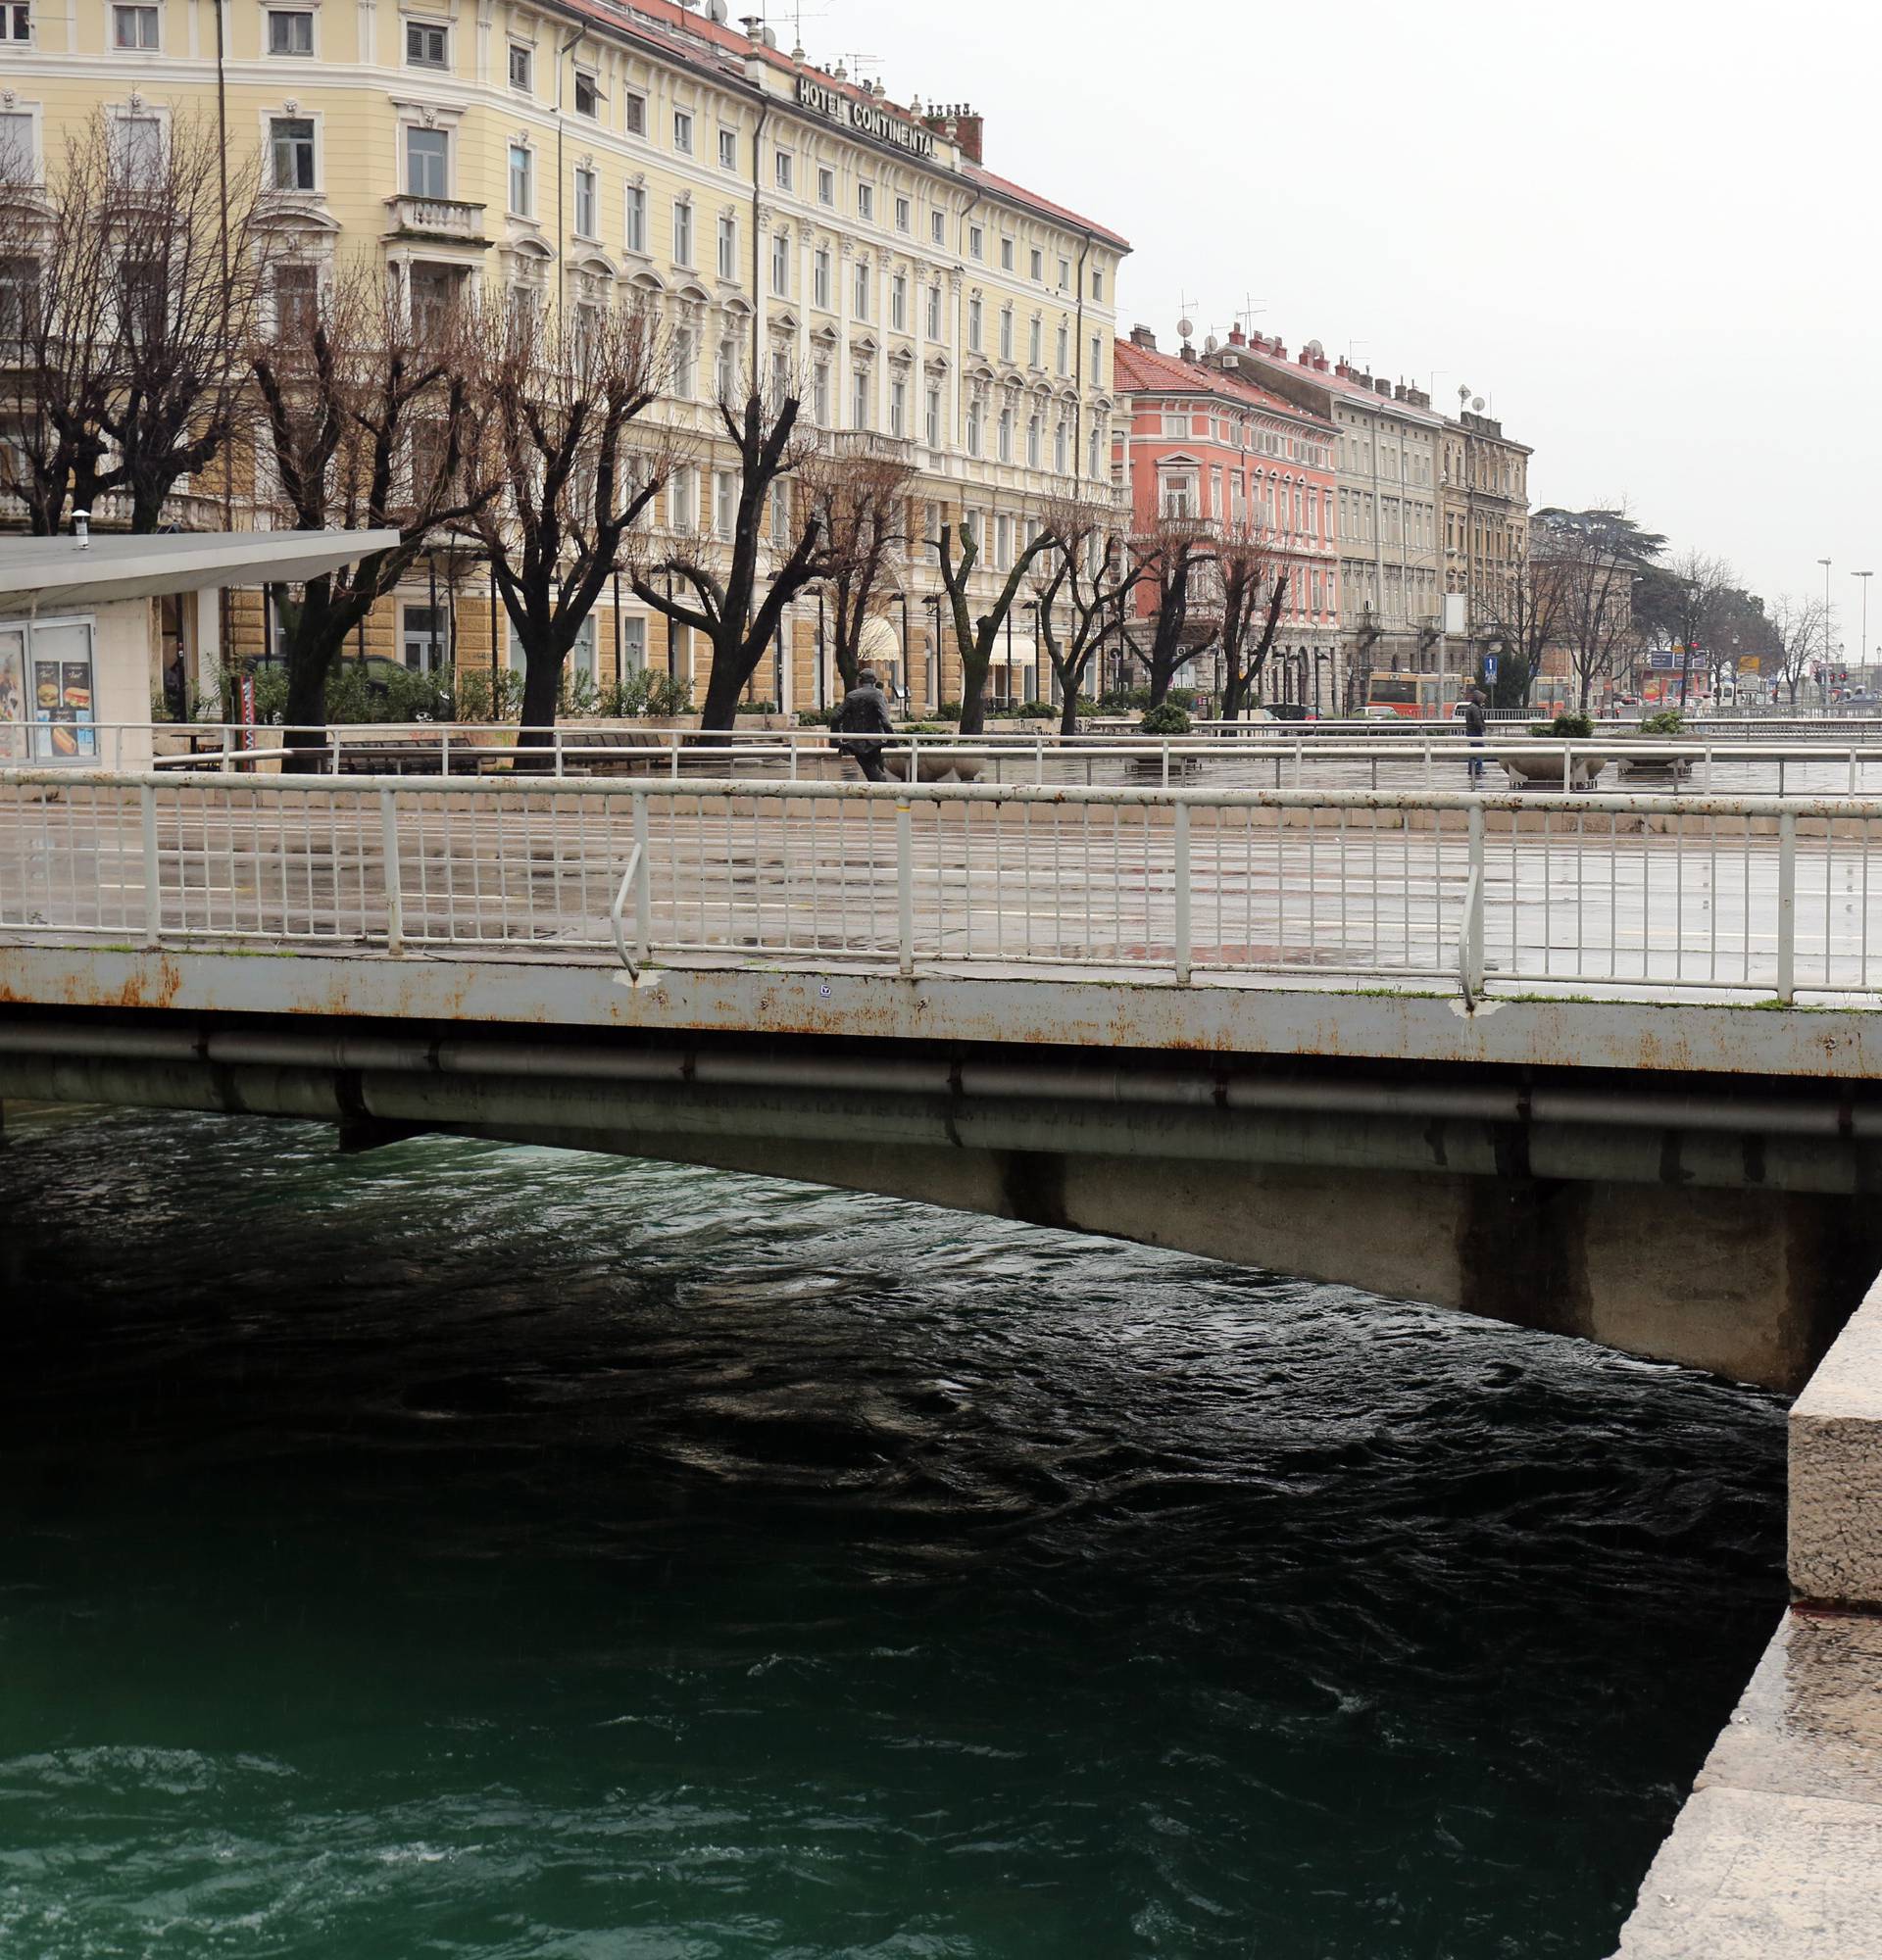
(931, 417)
(1006, 333)
(1064, 274)
(782, 168)
(682, 133)
(727, 248)
(636, 217)
(290, 140)
(860, 399)
(865, 201)
(976, 242)
(1003, 543)
(898, 303)
(16, 22)
(934, 313)
(426, 164)
(973, 323)
(434, 296)
(827, 186)
(134, 27)
(426, 46)
(1096, 377)
(1038, 266)
(901, 214)
(780, 527)
(519, 187)
(685, 362)
(862, 290)
(634, 112)
(781, 265)
(781, 387)
(19, 299)
(1091, 451)
(729, 149)
(974, 426)
(1178, 498)
(1006, 436)
(725, 501)
(18, 163)
(290, 31)
(939, 227)
(519, 61)
(587, 94)
(1058, 433)
(297, 300)
(897, 408)
(1097, 282)
(1006, 254)
(137, 148)
(1032, 442)
(820, 394)
(1063, 338)
(586, 202)
(423, 634)
(682, 233)
(1034, 333)
(820, 278)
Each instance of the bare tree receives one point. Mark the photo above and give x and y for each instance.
(1800, 633)
(1681, 602)
(974, 636)
(1251, 575)
(131, 285)
(1527, 619)
(1595, 556)
(1091, 573)
(366, 415)
(557, 487)
(1174, 555)
(860, 503)
(734, 589)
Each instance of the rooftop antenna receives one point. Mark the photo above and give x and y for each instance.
(1251, 306)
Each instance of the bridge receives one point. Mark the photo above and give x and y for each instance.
(1597, 1063)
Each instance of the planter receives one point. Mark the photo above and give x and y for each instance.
(1526, 768)
(933, 765)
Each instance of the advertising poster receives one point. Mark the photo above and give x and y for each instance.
(12, 697)
(59, 682)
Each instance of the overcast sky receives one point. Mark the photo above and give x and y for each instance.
(1643, 232)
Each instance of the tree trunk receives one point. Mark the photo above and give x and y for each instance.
(306, 711)
(1069, 708)
(541, 682)
(973, 693)
(720, 709)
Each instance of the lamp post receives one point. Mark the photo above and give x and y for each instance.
(1865, 576)
(1032, 607)
(1821, 684)
(821, 691)
(902, 600)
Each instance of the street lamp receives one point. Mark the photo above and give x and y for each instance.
(902, 600)
(1821, 684)
(933, 600)
(1032, 607)
(1865, 576)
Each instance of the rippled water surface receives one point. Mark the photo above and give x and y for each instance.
(462, 1550)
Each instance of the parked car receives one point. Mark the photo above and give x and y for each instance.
(1291, 710)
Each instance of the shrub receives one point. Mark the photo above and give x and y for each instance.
(758, 707)
(485, 697)
(1124, 701)
(1668, 721)
(926, 728)
(816, 717)
(949, 711)
(576, 692)
(1564, 728)
(1165, 718)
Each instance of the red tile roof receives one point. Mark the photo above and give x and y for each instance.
(1141, 372)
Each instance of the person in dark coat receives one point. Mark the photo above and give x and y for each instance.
(860, 722)
(1471, 714)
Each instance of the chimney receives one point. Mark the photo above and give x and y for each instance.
(1383, 387)
(968, 132)
(1188, 353)
(1344, 371)
(1141, 336)
(1236, 338)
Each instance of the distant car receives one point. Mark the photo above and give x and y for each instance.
(1291, 710)
(1377, 712)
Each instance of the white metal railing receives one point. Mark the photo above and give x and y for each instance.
(1748, 893)
(1272, 756)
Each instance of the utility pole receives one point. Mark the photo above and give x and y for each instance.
(1865, 576)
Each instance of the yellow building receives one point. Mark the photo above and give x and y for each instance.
(576, 153)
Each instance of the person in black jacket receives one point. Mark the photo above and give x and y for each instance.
(1471, 713)
(865, 713)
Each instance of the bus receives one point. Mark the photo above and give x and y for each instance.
(1415, 696)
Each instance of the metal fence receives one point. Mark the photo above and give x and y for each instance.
(1751, 892)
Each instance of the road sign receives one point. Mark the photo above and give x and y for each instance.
(1489, 667)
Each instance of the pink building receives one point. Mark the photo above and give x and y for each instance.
(1195, 442)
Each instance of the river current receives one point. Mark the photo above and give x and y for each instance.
(465, 1550)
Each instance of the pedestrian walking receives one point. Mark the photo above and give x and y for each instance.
(861, 724)
(1471, 713)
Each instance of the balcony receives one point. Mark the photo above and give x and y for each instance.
(869, 443)
(447, 219)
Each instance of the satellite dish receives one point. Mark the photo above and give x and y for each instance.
(1211, 344)
(1185, 326)
(1476, 403)
(715, 10)
(1314, 348)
